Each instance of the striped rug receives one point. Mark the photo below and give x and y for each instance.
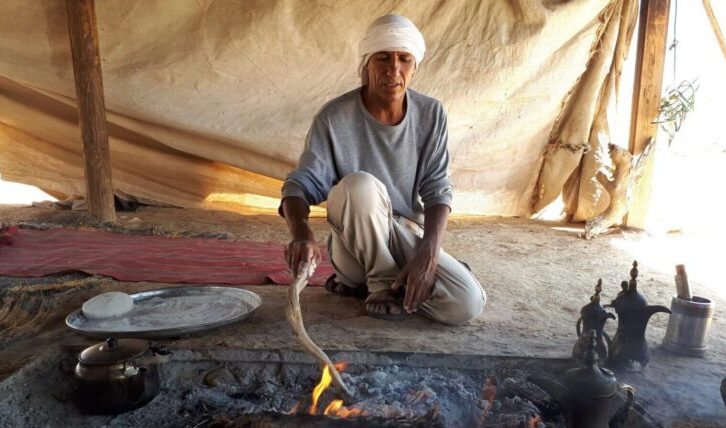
(36, 253)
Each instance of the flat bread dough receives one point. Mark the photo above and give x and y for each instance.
(107, 305)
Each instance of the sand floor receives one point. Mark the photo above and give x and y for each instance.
(537, 276)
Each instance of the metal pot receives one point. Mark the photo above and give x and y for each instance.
(118, 375)
(589, 393)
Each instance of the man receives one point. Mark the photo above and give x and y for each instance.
(378, 156)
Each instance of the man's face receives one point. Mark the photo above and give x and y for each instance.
(389, 74)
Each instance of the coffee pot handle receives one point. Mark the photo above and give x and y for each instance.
(577, 326)
(137, 387)
(622, 414)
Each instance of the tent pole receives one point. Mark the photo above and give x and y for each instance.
(91, 110)
(652, 35)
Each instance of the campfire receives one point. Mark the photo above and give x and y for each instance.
(335, 408)
(393, 392)
(423, 406)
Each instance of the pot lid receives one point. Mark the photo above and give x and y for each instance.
(113, 351)
(630, 299)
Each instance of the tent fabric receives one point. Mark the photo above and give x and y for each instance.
(37, 253)
(209, 101)
(577, 157)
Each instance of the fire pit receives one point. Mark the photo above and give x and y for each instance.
(275, 389)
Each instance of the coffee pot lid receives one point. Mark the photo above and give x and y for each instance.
(630, 298)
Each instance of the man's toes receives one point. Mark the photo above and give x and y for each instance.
(373, 308)
(394, 309)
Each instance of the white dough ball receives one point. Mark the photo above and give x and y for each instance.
(107, 305)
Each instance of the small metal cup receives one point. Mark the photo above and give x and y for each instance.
(688, 326)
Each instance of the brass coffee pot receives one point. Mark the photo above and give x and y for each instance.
(592, 393)
(589, 394)
(629, 350)
(592, 317)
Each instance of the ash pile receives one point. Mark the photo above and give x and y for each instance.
(390, 396)
(238, 394)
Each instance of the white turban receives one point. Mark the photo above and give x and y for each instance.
(391, 33)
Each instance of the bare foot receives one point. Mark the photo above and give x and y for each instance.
(384, 304)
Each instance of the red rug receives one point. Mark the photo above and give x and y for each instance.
(36, 253)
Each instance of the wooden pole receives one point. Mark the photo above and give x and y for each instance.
(91, 108)
(652, 35)
(714, 25)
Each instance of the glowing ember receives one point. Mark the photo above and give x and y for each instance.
(489, 392)
(534, 421)
(325, 381)
(294, 409)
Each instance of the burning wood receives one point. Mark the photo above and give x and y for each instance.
(294, 317)
(510, 410)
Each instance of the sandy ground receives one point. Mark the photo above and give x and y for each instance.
(537, 276)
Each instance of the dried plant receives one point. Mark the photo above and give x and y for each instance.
(675, 105)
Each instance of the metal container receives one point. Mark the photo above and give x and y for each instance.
(629, 349)
(117, 375)
(589, 394)
(688, 326)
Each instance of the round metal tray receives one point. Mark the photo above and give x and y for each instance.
(169, 312)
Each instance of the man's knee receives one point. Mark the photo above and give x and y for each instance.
(470, 307)
(462, 305)
(361, 183)
(359, 189)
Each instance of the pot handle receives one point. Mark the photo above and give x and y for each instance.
(622, 414)
(137, 386)
(577, 326)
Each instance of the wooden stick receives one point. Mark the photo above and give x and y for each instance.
(683, 289)
(294, 317)
(91, 109)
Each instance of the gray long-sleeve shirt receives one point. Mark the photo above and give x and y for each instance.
(410, 158)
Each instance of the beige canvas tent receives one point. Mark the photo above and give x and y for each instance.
(208, 101)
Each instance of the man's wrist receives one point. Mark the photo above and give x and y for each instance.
(303, 232)
(429, 245)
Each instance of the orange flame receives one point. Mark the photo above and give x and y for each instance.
(325, 381)
(336, 408)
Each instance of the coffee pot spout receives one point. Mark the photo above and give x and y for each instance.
(654, 309)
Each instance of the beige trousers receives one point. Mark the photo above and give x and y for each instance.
(369, 246)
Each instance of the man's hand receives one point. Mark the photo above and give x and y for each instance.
(302, 249)
(301, 252)
(418, 277)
